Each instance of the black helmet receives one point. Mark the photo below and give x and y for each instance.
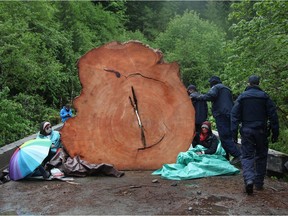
(214, 80)
(254, 80)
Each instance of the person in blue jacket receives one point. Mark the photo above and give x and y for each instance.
(222, 103)
(46, 132)
(66, 113)
(201, 108)
(253, 109)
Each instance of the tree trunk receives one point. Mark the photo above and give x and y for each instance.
(133, 111)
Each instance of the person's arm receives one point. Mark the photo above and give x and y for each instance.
(63, 113)
(70, 113)
(56, 139)
(211, 95)
(273, 117)
(235, 118)
(213, 147)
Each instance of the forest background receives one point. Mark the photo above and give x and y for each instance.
(40, 43)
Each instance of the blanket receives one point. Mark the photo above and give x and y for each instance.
(190, 165)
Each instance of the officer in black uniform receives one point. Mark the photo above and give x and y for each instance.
(253, 109)
(201, 108)
(222, 103)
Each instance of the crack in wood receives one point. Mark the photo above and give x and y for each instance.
(139, 74)
(150, 146)
(134, 104)
(118, 75)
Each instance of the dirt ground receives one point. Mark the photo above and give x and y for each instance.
(137, 193)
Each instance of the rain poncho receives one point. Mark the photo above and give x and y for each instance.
(189, 165)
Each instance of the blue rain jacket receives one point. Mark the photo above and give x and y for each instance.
(54, 137)
(64, 113)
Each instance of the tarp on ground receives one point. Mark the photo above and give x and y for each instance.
(190, 165)
(80, 168)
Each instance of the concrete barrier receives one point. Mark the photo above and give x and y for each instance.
(277, 161)
(7, 151)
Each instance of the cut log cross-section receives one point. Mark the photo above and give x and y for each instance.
(133, 111)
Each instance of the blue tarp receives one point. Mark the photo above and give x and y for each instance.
(189, 165)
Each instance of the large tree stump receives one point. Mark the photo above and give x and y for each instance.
(133, 111)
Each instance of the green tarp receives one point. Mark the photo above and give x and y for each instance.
(189, 165)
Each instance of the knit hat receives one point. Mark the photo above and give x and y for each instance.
(206, 124)
(215, 80)
(46, 124)
(254, 80)
(43, 125)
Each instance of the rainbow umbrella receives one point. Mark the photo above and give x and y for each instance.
(28, 157)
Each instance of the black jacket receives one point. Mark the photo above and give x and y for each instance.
(221, 98)
(211, 143)
(201, 108)
(253, 108)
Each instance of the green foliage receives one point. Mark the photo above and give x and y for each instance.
(41, 42)
(149, 17)
(195, 44)
(27, 49)
(13, 121)
(217, 12)
(281, 145)
(39, 47)
(137, 36)
(260, 47)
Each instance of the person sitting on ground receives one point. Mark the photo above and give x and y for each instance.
(206, 138)
(46, 132)
(204, 158)
(66, 113)
(222, 103)
(39, 171)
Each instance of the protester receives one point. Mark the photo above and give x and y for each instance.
(204, 158)
(201, 108)
(253, 108)
(46, 132)
(66, 113)
(39, 171)
(222, 103)
(206, 138)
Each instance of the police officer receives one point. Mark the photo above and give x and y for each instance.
(201, 108)
(253, 109)
(222, 103)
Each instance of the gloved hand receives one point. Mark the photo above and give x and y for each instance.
(275, 135)
(274, 138)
